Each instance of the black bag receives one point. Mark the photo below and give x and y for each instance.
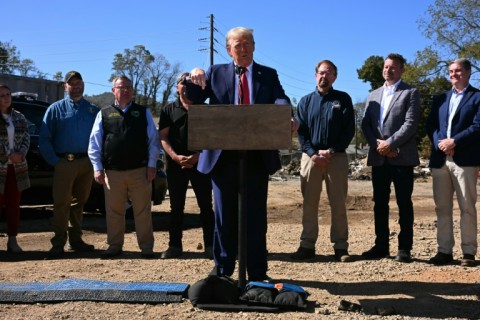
(214, 289)
(283, 295)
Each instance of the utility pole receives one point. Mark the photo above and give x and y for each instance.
(211, 40)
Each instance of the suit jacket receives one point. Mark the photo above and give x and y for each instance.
(465, 129)
(399, 126)
(220, 89)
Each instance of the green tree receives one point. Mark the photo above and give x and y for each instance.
(58, 76)
(371, 71)
(101, 100)
(26, 67)
(454, 28)
(11, 62)
(9, 57)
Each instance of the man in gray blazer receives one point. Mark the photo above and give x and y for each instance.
(392, 114)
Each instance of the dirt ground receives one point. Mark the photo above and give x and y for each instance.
(405, 291)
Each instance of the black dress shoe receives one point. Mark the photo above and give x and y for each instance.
(403, 256)
(147, 254)
(342, 255)
(55, 252)
(303, 254)
(263, 278)
(110, 253)
(13, 247)
(375, 253)
(171, 253)
(441, 259)
(81, 246)
(468, 260)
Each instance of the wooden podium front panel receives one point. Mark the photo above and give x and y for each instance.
(234, 127)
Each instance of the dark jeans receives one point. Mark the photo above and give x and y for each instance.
(178, 179)
(402, 178)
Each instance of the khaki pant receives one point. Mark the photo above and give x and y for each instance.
(72, 182)
(119, 187)
(463, 181)
(335, 175)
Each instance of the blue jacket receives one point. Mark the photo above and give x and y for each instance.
(221, 90)
(465, 129)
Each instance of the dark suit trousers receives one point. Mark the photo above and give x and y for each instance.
(225, 189)
(402, 178)
(178, 179)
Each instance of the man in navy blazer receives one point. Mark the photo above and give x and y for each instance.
(392, 114)
(221, 85)
(453, 126)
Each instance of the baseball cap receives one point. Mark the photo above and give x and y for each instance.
(72, 74)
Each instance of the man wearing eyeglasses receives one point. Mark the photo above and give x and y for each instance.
(63, 142)
(124, 149)
(326, 127)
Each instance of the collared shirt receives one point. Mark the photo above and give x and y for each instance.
(250, 81)
(453, 106)
(175, 117)
(66, 128)
(388, 92)
(325, 121)
(95, 148)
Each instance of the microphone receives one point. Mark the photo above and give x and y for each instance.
(239, 70)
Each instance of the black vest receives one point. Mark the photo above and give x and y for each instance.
(125, 139)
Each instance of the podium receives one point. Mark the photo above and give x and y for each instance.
(242, 128)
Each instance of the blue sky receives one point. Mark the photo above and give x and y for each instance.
(290, 36)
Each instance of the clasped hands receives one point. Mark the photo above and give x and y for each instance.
(384, 149)
(447, 146)
(321, 158)
(187, 162)
(16, 157)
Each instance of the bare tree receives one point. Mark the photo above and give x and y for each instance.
(132, 63)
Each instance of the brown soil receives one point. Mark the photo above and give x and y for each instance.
(407, 291)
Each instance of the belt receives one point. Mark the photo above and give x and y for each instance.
(72, 156)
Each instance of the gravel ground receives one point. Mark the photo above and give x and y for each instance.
(384, 288)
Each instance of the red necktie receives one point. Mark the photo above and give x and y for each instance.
(243, 92)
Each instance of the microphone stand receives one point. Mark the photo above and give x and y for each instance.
(242, 201)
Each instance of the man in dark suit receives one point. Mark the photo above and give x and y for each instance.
(221, 85)
(453, 126)
(390, 122)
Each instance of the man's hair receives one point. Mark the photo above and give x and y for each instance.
(239, 31)
(121, 77)
(466, 64)
(397, 57)
(9, 109)
(330, 63)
